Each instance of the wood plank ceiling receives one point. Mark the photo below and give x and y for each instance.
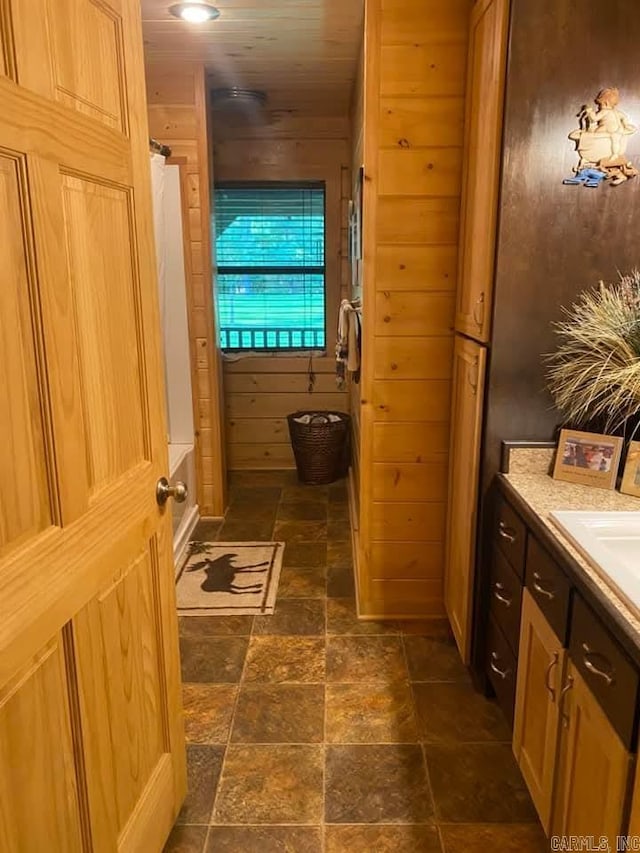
(302, 53)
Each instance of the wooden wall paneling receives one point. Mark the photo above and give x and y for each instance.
(408, 313)
(402, 442)
(414, 268)
(261, 391)
(285, 49)
(413, 358)
(178, 116)
(413, 137)
(396, 599)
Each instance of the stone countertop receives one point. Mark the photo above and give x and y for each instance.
(543, 495)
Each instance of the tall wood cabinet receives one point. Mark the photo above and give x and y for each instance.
(486, 71)
(469, 364)
(414, 70)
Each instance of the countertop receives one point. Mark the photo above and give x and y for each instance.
(542, 494)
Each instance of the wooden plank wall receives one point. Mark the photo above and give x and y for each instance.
(357, 159)
(261, 391)
(415, 56)
(176, 94)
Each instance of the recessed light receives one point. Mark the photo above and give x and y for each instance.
(195, 13)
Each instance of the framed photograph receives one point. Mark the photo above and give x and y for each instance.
(588, 458)
(631, 477)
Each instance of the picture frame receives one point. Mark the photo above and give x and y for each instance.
(588, 458)
(631, 477)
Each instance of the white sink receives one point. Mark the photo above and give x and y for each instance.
(610, 542)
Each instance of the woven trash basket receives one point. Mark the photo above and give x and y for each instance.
(320, 442)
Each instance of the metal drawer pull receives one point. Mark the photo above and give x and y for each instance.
(497, 593)
(567, 687)
(478, 310)
(552, 663)
(503, 673)
(506, 532)
(538, 588)
(593, 669)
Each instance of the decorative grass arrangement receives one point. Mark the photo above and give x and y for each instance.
(595, 373)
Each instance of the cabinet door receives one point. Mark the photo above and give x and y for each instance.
(634, 818)
(593, 767)
(486, 69)
(464, 464)
(535, 731)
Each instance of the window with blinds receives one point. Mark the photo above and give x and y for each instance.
(271, 266)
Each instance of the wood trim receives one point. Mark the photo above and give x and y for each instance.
(177, 111)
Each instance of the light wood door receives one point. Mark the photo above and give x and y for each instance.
(593, 768)
(535, 731)
(634, 818)
(486, 71)
(91, 748)
(469, 365)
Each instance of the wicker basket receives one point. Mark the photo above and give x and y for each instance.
(320, 447)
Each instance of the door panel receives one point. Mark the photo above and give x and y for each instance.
(535, 733)
(593, 768)
(90, 553)
(486, 72)
(101, 243)
(120, 669)
(39, 807)
(24, 511)
(87, 57)
(464, 467)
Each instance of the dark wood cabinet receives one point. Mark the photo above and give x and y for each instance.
(567, 682)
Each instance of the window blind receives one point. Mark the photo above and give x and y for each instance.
(270, 252)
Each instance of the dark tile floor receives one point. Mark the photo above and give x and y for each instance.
(311, 731)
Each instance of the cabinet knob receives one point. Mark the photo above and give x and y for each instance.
(588, 656)
(497, 594)
(501, 673)
(553, 662)
(567, 687)
(541, 589)
(506, 533)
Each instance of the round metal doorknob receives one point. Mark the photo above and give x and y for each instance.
(164, 491)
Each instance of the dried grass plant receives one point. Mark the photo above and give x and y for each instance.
(595, 373)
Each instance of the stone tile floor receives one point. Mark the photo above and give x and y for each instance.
(310, 731)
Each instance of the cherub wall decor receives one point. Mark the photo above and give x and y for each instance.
(601, 143)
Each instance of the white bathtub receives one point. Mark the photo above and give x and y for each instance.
(182, 466)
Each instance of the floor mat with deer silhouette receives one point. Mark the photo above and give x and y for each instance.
(227, 578)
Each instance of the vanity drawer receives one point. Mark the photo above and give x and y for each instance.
(501, 667)
(506, 599)
(510, 535)
(607, 671)
(549, 587)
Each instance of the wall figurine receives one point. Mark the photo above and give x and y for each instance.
(601, 143)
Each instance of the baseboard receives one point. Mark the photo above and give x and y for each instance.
(180, 544)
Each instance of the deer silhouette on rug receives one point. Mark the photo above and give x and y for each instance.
(221, 575)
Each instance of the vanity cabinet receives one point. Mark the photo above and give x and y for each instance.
(571, 756)
(576, 688)
(537, 716)
(508, 548)
(592, 768)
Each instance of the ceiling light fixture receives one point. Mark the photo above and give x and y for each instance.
(241, 97)
(194, 13)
